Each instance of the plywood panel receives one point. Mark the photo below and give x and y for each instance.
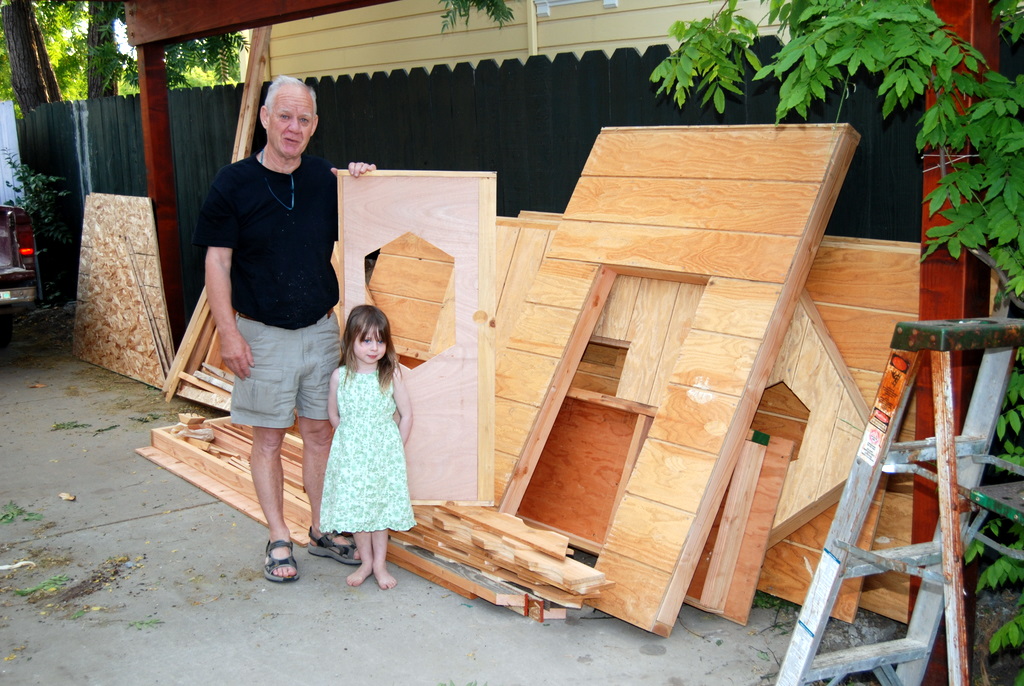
(696, 204)
(523, 264)
(869, 274)
(121, 318)
(574, 485)
(619, 308)
(450, 450)
(753, 257)
(648, 532)
(764, 272)
(797, 153)
(647, 335)
(667, 473)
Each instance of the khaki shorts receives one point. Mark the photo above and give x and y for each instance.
(291, 372)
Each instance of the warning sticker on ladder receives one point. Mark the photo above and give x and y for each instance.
(887, 403)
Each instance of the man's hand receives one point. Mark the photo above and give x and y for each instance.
(358, 168)
(236, 353)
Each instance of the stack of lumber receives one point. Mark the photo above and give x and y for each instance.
(121, 316)
(451, 542)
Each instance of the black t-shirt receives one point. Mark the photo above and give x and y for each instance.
(282, 239)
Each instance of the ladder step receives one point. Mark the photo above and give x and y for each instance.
(912, 452)
(866, 658)
(915, 559)
(1006, 499)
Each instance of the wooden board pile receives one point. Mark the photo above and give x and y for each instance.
(214, 455)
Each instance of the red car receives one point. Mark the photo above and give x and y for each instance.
(18, 280)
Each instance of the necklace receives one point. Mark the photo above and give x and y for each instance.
(267, 181)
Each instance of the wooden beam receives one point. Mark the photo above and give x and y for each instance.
(950, 289)
(174, 21)
(156, 136)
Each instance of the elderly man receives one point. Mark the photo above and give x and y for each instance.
(269, 224)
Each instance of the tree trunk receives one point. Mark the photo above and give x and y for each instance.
(32, 76)
(103, 74)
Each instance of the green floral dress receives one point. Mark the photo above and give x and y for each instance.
(366, 487)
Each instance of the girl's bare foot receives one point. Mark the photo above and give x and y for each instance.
(384, 578)
(360, 575)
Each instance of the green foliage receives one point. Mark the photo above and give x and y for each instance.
(39, 197)
(457, 11)
(11, 512)
(710, 57)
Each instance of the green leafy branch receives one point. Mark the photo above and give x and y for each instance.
(457, 11)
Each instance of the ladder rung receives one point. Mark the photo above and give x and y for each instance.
(909, 452)
(866, 658)
(915, 559)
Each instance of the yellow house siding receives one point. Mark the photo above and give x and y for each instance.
(407, 34)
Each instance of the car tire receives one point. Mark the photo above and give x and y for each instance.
(6, 329)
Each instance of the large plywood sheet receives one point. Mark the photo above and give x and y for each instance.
(121, 317)
(750, 284)
(450, 452)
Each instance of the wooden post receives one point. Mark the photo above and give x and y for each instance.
(156, 135)
(950, 289)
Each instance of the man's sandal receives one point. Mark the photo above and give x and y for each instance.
(272, 563)
(324, 546)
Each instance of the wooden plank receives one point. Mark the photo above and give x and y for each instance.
(523, 265)
(648, 337)
(864, 273)
(755, 537)
(797, 152)
(735, 513)
(725, 254)
(715, 204)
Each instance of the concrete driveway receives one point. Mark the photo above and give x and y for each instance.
(162, 582)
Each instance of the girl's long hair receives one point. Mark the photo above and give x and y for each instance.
(365, 319)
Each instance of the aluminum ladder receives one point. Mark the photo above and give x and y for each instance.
(958, 465)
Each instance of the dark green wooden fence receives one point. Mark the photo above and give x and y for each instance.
(532, 123)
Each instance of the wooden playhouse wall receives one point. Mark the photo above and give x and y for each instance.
(736, 212)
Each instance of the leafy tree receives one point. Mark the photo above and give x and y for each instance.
(82, 57)
(981, 199)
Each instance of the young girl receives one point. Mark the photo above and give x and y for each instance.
(365, 488)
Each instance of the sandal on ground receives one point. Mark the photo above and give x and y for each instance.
(272, 563)
(324, 546)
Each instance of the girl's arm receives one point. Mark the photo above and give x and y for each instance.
(332, 400)
(402, 405)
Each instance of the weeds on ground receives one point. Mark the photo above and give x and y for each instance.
(62, 426)
(50, 585)
(11, 512)
(146, 623)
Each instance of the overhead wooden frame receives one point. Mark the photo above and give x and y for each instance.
(450, 452)
(739, 210)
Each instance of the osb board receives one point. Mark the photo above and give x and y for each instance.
(121, 317)
(675, 203)
(450, 451)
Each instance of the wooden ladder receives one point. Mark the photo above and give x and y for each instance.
(958, 465)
